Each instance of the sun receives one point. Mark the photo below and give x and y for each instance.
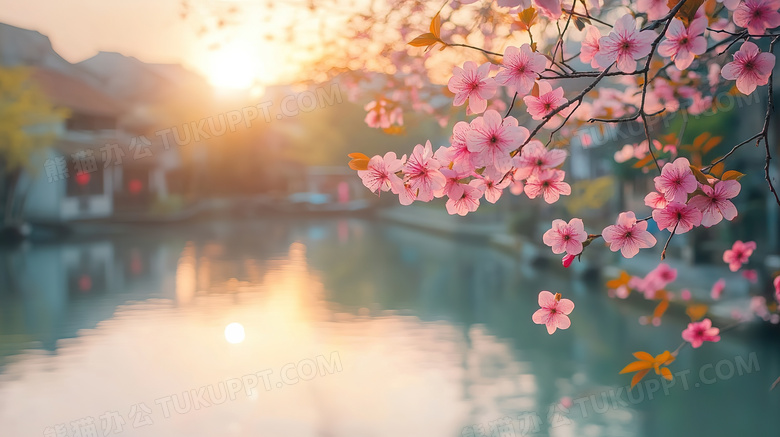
(233, 67)
(234, 333)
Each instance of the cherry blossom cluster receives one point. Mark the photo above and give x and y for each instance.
(478, 163)
(656, 57)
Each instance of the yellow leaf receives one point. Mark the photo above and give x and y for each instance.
(732, 175)
(696, 312)
(637, 365)
(638, 377)
(359, 161)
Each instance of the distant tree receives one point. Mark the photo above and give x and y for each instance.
(27, 121)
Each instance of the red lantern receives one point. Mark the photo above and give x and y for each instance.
(82, 178)
(135, 186)
(85, 283)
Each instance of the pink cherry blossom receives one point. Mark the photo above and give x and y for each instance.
(699, 332)
(676, 181)
(520, 68)
(682, 44)
(655, 280)
(624, 45)
(549, 8)
(567, 260)
(566, 237)
(758, 307)
(548, 183)
(677, 217)
(472, 83)
(422, 173)
(757, 15)
(715, 204)
(535, 158)
(554, 312)
(738, 254)
(463, 199)
(452, 179)
(750, 68)
(377, 115)
(590, 46)
(730, 4)
(547, 102)
(517, 187)
(492, 137)
(406, 195)
(654, 9)
(776, 283)
(492, 188)
(656, 200)
(380, 175)
(459, 154)
(510, 3)
(717, 289)
(685, 294)
(628, 235)
(751, 275)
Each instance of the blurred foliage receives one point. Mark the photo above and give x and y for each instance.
(26, 118)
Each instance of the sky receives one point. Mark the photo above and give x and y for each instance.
(232, 53)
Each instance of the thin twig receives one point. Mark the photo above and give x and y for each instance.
(512, 105)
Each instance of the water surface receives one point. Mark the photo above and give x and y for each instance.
(350, 328)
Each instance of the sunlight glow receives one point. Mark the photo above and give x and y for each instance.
(233, 67)
(234, 333)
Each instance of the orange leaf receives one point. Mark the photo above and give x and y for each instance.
(623, 279)
(717, 170)
(436, 26)
(699, 176)
(712, 142)
(696, 312)
(637, 365)
(660, 309)
(527, 18)
(664, 358)
(359, 161)
(699, 141)
(687, 11)
(666, 373)
(644, 356)
(644, 161)
(394, 130)
(638, 377)
(425, 40)
(732, 175)
(535, 90)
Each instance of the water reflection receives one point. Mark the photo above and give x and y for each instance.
(434, 337)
